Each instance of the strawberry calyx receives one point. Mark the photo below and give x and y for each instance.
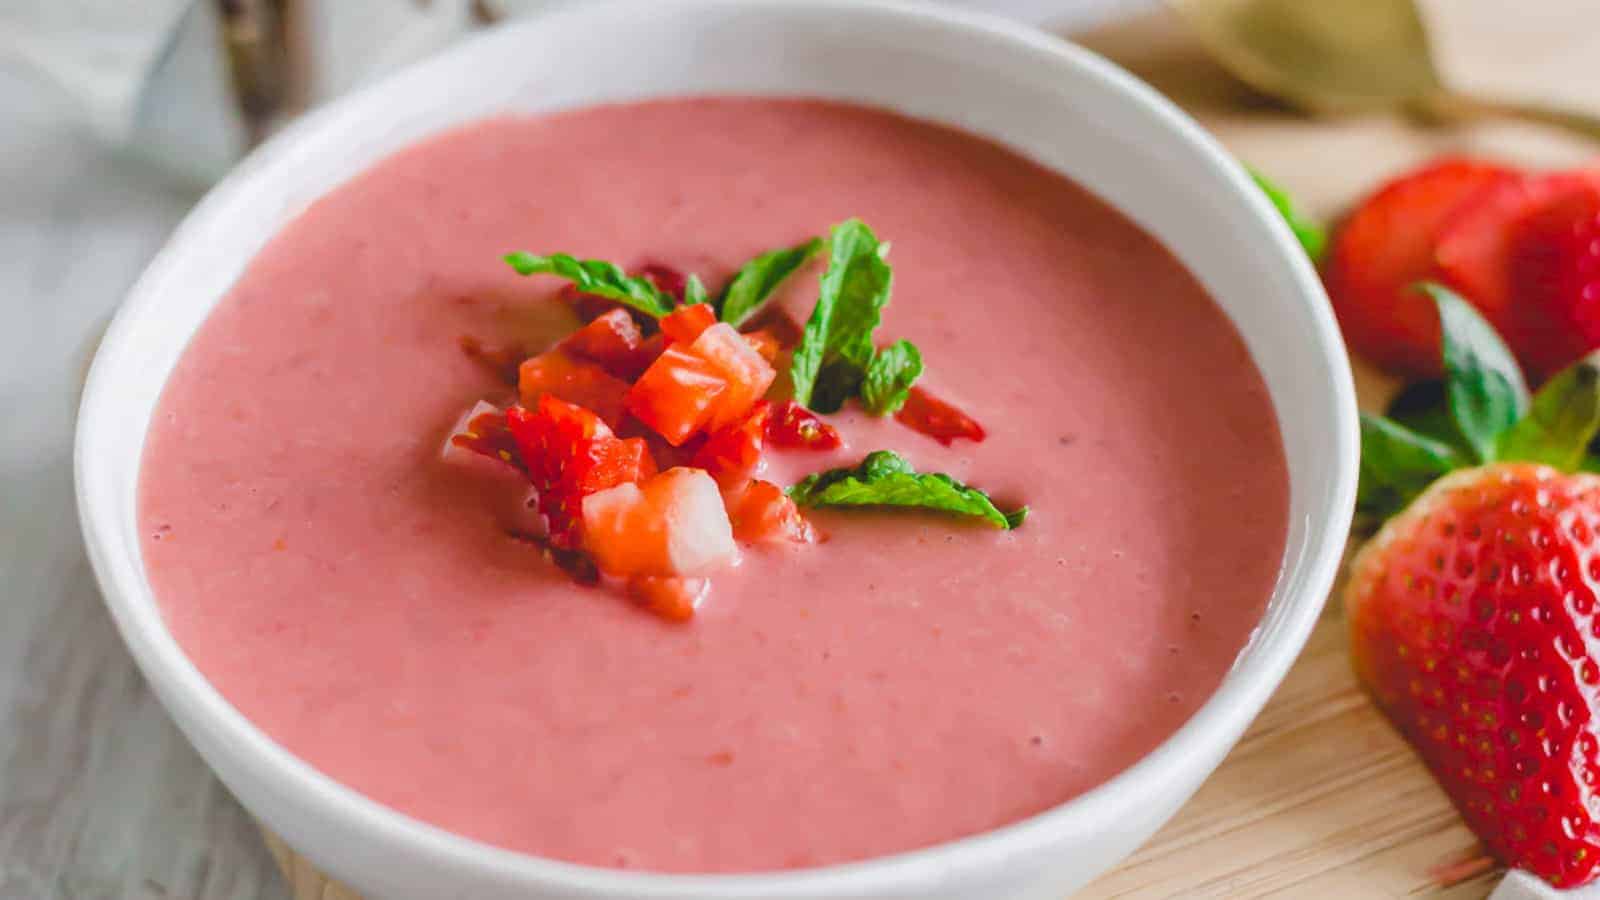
(1471, 610)
(1486, 415)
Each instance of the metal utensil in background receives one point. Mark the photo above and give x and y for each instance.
(1348, 56)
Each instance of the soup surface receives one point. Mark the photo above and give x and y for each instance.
(911, 680)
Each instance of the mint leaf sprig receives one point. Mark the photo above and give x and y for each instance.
(598, 277)
(756, 281)
(885, 478)
(835, 359)
(1488, 416)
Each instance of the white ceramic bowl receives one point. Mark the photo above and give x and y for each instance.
(1054, 102)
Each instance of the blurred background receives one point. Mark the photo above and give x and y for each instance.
(116, 114)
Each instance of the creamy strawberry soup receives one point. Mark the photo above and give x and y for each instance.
(909, 678)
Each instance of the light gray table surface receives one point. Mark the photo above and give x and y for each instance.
(100, 796)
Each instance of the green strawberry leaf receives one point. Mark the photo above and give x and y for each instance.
(837, 342)
(694, 291)
(1483, 383)
(1397, 464)
(889, 378)
(1311, 235)
(1564, 418)
(884, 478)
(1423, 407)
(598, 277)
(757, 279)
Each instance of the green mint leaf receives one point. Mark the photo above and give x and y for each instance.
(757, 279)
(694, 291)
(889, 378)
(884, 478)
(1311, 235)
(598, 277)
(838, 337)
(1482, 382)
(1397, 464)
(1562, 420)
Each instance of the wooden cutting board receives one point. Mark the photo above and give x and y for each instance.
(1321, 798)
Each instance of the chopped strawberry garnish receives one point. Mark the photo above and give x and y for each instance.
(1387, 245)
(685, 323)
(762, 513)
(673, 599)
(937, 419)
(765, 343)
(1555, 275)
(675, 395)
(501, 362)
(576, 381)
(794, 427)
(667, 279)
(613, 342)
(671, 524)
(570, 454)
(777, 322)
(732, 454)
(748, 375)
(483, 430)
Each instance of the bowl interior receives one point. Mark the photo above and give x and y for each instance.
(1056, 104)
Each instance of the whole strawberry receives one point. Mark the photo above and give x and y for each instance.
(1473, 612)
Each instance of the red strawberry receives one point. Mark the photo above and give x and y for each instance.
(1555, 278)
(612, 341)
(671, 598)
(764, 342)
(761, 512)
(797, 428)
(667, 279)
(1388, 244)
(1471, 619)
(482, 430)
(732, 454)
(937, 419)
(685, 323)
(570, 454)
(1475, 246)
(585, 384)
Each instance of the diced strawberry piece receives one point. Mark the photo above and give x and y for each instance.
(794, 427)
(673, 599)
(1474, 253)
(587, 307)
(576, 381)
(1388, 245)
(570, 454)
(777, 322)
(763, 513)
(1555, 276)
(672, 524)
(483, 431)
(748, 375)
(501, 362)
(675, 395)
(733, 454)
(765, 343)
(613, 342)
(685, 323)
(667, 279)
(937, 419)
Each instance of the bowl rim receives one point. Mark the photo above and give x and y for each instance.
(1256, 673)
